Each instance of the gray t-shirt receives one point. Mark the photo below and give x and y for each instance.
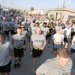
(12, 25)
(5, 53)
(5, 25)
(45, 30)
(32, 30)
(52, 67)
(18, 40)
(26, 24)
(38, 41)
(57, 28)
(24, 32)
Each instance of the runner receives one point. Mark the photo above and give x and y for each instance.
(45, 29)
(18, 42)
(67, 34)
(58, 40)
(73, 49)
(37, 44)
(5, 26)
(6, 55)
(60, 65)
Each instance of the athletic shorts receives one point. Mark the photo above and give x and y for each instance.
(48, 35)
(57, 47)
(0, 28)
(13, 32)
(72, 50)
(36, 53)
(18, 52)
(6, 32)
(67, 40)
(6, 68)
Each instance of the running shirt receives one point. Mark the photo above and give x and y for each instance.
(32, 30)
(26, 24)
(16, 26)
(18, 41)
(5, 25)
(38, 41)
(12, 25)
(67, 32)
(57, 27)
(73, 27)
(58, 37)
(5, 52)
(45, 31)
(24, 32)
(52, 67)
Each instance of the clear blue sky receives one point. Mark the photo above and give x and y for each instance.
(37, 4)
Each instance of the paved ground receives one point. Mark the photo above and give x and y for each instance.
(26, 64)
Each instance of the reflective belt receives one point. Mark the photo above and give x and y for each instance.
(36, 48)
(18, 47)
(50, 28)
(26, 28)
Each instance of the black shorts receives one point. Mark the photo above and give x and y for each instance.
(0, 28)
(6, 68)
(36, 53)
(6, 32)
(72, 34)
(67, 40)
(18, 52)
(13, 32)
(48, 35)
(72, 50)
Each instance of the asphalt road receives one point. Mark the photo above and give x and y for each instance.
(26, 63)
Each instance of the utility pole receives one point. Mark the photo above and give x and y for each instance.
(64, 6)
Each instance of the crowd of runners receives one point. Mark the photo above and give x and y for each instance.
(38, 31)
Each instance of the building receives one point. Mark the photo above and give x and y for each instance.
(62, 13)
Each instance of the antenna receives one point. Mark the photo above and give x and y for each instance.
(3, 2)
(64, 4)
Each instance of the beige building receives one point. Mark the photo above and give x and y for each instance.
(38, 12)
(62, 13)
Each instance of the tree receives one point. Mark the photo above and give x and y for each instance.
(24, 10)
(0, 5)
(0, 8)
(32, 9)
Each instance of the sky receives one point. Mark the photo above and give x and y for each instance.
(37, 4)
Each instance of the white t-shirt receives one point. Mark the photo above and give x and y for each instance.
(67, 32)
(58, 37)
